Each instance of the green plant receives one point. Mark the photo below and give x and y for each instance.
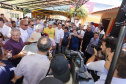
(81, 12)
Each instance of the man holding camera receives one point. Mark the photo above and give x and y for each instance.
(91, 45)
(108, 46)
(74, 40)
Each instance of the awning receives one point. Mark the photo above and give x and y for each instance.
(38, 4)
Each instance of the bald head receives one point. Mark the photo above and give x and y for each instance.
(44, 44)
(24, 24)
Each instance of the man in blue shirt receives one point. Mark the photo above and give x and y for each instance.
(66, 41)
(30, 29)
(90, 50)
(74, 41)
(17, 22)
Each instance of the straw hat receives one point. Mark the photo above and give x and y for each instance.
(34, 37)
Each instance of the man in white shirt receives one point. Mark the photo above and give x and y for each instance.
(97, 28)
(101, 33)
(23, 30)
(108, 46)
(34, 67)
(81, 34)
(119, 76)
(5, 30)
(59, 34)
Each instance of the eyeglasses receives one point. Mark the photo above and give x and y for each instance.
(25, 24)
(32, 24)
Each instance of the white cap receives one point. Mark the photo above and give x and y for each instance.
(38, 27)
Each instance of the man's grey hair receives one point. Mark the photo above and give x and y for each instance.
(15, 30)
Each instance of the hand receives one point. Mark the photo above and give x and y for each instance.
(75, 34)
(7, 54)
(22, 53)
(50, 56)
(67, 46)
(95, 51)
(59, 44)
(69, 37)
(2, 64)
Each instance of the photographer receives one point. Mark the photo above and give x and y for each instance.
(119, 76)
(108, 46)
(74, 41)
(93, 42)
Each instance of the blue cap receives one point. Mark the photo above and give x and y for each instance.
(92, 23)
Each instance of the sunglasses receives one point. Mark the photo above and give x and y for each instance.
(32, 24)
(25, 24)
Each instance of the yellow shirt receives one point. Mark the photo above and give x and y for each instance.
(50, 32)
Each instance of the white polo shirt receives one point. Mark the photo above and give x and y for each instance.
(24, 35)
(59, 33)
(5, 30)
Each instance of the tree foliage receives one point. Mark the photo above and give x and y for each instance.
(81, 12)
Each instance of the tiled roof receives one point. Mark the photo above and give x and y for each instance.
(106, 9)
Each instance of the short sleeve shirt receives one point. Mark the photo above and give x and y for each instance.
(33, 67)
(59, 33)
(6, 31)
(24, 35)
(65, 39)
(50, 32)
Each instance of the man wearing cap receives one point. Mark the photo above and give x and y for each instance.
(15, 44)
(60, 69)
(23, 30)
(34, 67)
(49, 30)
(50, 80)
(92, 26)
(32, 48)
(30, 29)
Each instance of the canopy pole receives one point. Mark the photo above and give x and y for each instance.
(116, 54)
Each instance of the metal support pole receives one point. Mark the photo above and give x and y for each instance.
(116, 54)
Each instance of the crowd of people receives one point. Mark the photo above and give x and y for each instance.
(31, 49)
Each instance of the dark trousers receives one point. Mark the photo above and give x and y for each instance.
(57, 50)
(87, 56)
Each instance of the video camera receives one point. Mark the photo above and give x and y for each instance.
(97, 47)
(79, 72)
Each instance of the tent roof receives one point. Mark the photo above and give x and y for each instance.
(38, 4)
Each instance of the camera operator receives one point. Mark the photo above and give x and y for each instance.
(74, 40)
(119, 76)
(108, 46)
(93, 42)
